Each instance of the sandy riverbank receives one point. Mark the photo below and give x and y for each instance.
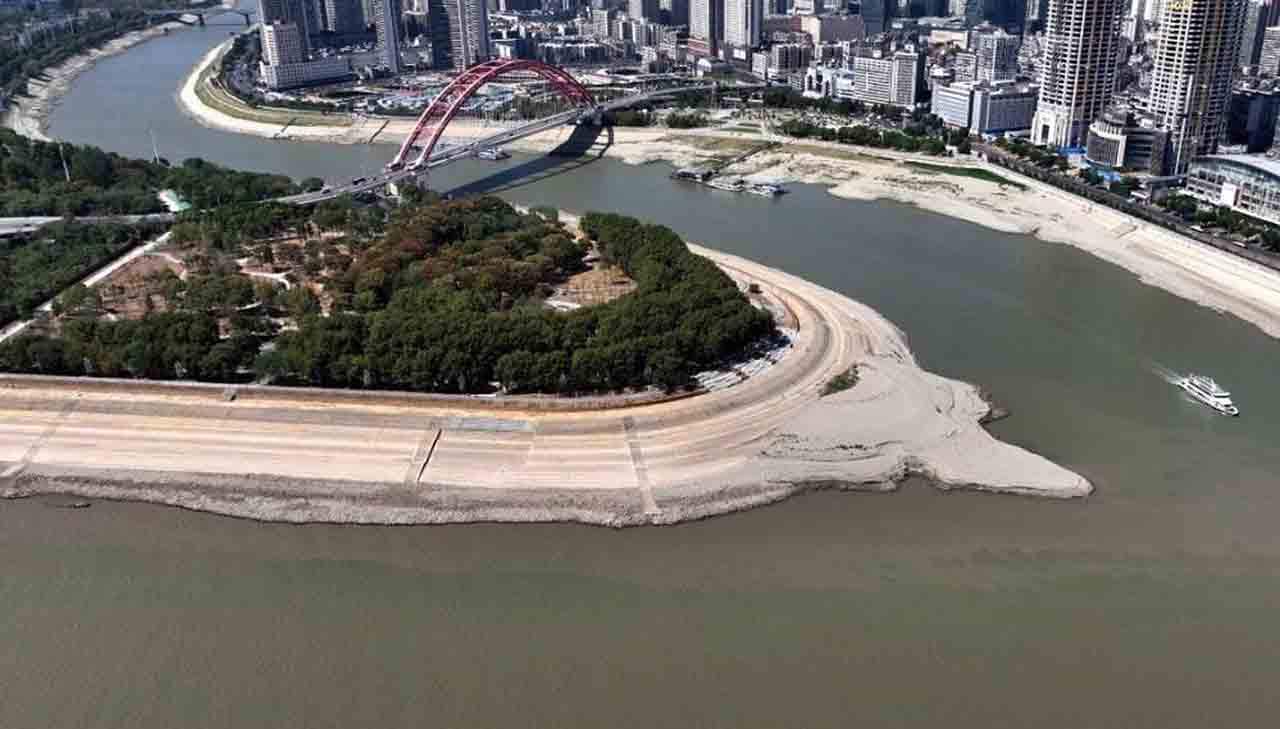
(1159, 257)
(29, 115)
(273, 456)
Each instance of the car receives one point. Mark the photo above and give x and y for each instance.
(360, 180)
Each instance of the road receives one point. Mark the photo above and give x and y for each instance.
(17, 327)
(24, 225)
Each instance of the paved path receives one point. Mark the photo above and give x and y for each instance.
(93, 279)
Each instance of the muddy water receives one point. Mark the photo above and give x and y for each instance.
(1152, 604)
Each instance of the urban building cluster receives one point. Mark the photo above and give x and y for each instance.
(299, 37)
(1181, 89)
(1157, 88)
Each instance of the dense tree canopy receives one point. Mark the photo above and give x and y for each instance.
(34, 270)
(448, 298)
(33, 181)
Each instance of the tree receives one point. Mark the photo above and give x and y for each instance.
(301, 303)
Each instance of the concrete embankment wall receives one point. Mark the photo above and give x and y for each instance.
(512, 403)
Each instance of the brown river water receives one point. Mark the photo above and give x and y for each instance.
(1151, 604)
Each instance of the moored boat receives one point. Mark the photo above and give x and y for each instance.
(765, 189)
(729, 185)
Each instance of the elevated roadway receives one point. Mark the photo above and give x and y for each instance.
(441, 157)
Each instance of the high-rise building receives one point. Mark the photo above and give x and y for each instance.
(297, 12)
(281, 44)
(1256, 16)
(677, 11)
(1269, 57)
(284, 63)
(706, 24)
(742, 22)
(343, 16)
(387, 22)
(996, 55)
(1251, 119)
(1077, 69)
(468, 22)
(643, 10)
(874, 15)
(1191, 79)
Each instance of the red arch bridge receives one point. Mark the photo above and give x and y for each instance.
(419, 152)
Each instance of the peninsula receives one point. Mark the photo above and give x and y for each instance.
(306, 456)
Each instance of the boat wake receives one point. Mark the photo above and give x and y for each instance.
(1167, 374)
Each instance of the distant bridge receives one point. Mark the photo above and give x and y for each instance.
(201, 14)
(413, 159)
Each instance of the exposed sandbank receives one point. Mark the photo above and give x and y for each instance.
(274, 457)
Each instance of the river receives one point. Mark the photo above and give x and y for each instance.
(1151, 604)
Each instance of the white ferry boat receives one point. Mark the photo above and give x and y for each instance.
(765, 189)
(493, 154)
(1208, 392)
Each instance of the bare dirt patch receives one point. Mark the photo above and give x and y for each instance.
(137, 287)
(597, 286)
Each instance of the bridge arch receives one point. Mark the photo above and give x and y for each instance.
(446, 105)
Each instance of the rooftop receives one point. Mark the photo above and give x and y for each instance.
(1256, 161)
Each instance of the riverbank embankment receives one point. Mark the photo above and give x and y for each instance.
(29, 115)
(278, 458)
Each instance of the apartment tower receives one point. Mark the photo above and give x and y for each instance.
(1077, 69)
(387, 22)
(468, 32)
(1191, 81)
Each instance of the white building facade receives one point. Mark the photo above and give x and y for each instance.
(1077, 69)
(1191, 82)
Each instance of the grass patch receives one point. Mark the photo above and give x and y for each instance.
(217, 98)
(851, 155)
(718, 144)
(976, 173)
(841, 382)
(231, 106)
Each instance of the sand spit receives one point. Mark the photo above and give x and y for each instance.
(29, 115)
(387, 463)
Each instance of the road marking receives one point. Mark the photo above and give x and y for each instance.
(641, 470)
(421, 457)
